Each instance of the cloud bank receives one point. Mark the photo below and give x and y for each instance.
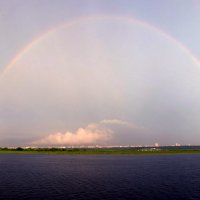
(104, 132)
(91, 134)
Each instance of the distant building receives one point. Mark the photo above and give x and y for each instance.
(177, 145)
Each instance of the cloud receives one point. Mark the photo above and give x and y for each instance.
(91, 134)
(118, 122)
(103, 132)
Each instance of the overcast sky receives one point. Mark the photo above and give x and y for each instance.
(107, 72)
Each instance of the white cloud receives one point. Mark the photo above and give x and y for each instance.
(92, 134)
(103, 132)
(113, 121)
(118, 122)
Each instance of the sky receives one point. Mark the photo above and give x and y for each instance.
(99, 72)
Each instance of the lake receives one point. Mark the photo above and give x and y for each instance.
(101, 177)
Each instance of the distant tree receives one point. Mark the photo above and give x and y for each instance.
(19, 149)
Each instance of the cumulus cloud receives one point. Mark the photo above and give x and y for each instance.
(103, 132)
(92, 134)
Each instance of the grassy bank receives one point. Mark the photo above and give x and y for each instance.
(99, 151)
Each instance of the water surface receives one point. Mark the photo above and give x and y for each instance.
(100, 177)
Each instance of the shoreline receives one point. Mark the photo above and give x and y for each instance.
(94, 152)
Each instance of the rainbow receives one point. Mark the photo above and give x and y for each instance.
(76, 21)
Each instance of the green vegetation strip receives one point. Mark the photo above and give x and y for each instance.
(97, 151)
